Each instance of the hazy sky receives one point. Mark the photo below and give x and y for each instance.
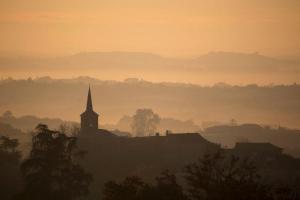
(167, 27)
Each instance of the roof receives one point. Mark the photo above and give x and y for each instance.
(97, 133)
(255, 145)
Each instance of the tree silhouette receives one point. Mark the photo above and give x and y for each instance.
(133, 188)
(213, 177)
(9, 167)
(52, 171)
(217, 177)
(167, 187)
(144, 122)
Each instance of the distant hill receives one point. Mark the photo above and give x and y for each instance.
(228, 135)
(66, 99)
(218, 66)
(9, 131)
(28, 123)
(241, 62)
(90, 60)
(119, 59)
(116, 59)
(14, 133)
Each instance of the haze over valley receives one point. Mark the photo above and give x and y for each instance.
(65, 99)
(150, 100)
(206, 69)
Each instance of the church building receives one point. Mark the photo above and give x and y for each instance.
(89, 120)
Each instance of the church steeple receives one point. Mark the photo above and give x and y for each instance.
(89, 118)
(89, 104)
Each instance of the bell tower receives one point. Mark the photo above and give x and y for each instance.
(89, 118)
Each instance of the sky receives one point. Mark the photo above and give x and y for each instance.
(168, 27)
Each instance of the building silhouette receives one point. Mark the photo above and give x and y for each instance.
(89, 118)
(112, 157)
(89, 125)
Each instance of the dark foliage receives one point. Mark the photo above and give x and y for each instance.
(213, 177)
(167, 187)
(216, 177)
(51, 171)
(9, 167)
(133, 188)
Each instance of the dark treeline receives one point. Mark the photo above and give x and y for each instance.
(53, 170)
(213, 177)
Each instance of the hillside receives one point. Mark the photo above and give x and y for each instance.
(228, 135)
(206, 69)
(27, 123)
(66, 99)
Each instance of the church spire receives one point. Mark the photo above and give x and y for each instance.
(89, 104)
(89, 118)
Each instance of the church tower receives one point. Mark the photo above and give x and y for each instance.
(89, 118)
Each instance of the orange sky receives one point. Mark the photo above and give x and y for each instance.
(167, 27)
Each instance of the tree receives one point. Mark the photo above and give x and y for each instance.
(7, 114)
(69, 129)
(167, 187)
(144, 122)
(213, 177)
(9, 167)
(216, 177)
(52, 170)
(133, 188)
